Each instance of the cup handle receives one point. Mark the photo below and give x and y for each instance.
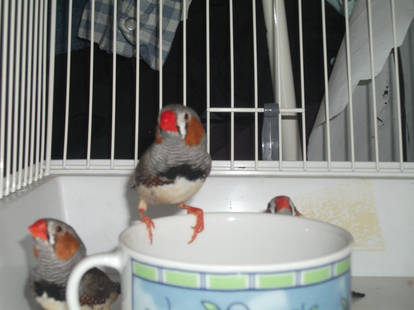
(113, 260)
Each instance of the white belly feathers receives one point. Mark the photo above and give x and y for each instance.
(178, 192)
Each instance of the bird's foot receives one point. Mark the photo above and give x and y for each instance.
(199, 226)
(150, 224)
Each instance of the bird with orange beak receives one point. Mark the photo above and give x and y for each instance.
(57, 249)
(282, 205)
(175, 166)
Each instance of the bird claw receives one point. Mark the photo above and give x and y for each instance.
(149, 223)
(199, 226)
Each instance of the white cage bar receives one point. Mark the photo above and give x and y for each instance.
(374, 97)
(16, 96)
(22, 96)
(326, 96)
(34, 120)
(28, 31)
(51, 70)
(68, 66)
(137, 36)
(208, 72)
(231, 84)
(12, 41)
(256, 99)
(302, 83)
(397, 79)
(160, 63)
(349, 75)
(44, 79)
(184, 18)
(114, 48)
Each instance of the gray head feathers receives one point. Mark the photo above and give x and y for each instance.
(58, 254)
(180, 142)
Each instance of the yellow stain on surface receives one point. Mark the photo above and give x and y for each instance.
(349, 205)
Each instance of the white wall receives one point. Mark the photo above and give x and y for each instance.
(379, 212)
(17, 212)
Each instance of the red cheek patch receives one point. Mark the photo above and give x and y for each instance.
(195, 132)
(66, 246)
(168, 121)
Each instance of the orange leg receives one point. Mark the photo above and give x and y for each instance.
(150, 224)
(199, 226)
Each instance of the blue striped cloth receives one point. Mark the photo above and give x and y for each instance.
(126, 27)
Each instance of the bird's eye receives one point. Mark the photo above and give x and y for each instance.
(58, 228)
(186, 117)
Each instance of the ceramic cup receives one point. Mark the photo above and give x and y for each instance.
(240, 261)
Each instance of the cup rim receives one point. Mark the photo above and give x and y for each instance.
(335, 256)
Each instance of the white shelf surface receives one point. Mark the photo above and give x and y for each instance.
(383, 293)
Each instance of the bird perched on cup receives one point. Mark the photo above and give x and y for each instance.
(282, 205)
(57, 249)
(175, 166)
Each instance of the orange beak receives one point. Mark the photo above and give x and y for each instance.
(39, 229)
(168, 121)
(282, 202)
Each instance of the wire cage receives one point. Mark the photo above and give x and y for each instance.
(306, 98)
(69, 106)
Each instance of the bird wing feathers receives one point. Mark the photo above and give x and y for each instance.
(147, 174)
(97, 287)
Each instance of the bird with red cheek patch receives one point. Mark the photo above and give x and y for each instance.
(175, 166)
(57, 249)
(282, 205)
